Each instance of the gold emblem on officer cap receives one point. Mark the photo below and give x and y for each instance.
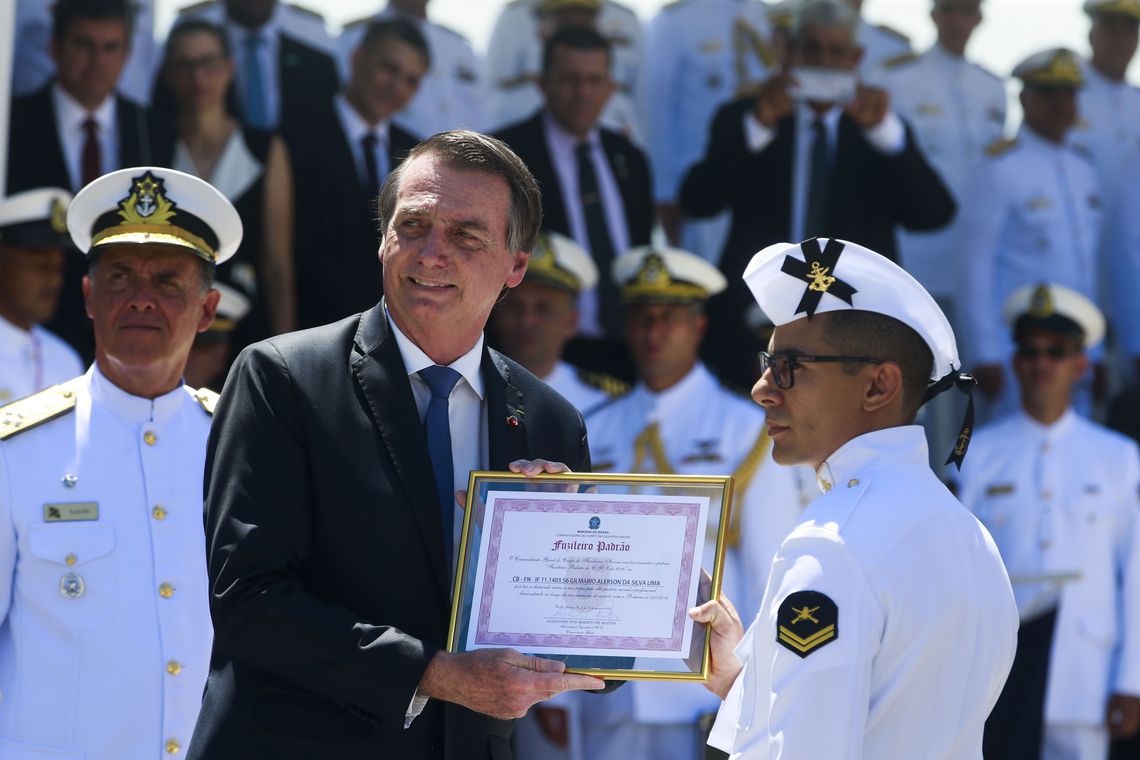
(58, 216)
(1041, 302)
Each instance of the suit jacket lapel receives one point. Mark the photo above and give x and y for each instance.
(55, 164)
(380, 371)
(505, 438)
(554, 216)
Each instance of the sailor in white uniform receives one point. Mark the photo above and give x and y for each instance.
(533, 323)
(880, 44)
(452, 95)
(33, 244)
(679, 419)
(888, 625)
(1060, 494)
(104, 623)
(514, 57)
(1034, 210)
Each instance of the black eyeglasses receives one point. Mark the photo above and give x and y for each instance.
(1055, 353)
(783, 366)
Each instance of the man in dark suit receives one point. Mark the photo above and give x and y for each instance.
(76, 128)
(595, 182)
(283, 61)
(796, 161)
(331, 475)
(340, 158)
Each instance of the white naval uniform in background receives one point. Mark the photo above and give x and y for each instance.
(703, 429)
(880, 44)
(514, 63)
(106, 635)
(1033, 214)
(1108, 125)
(1061, 499)
(699, 55)
(451, 94)
(31, 360)
(1120, 259)
(566, 380)
(926, 620)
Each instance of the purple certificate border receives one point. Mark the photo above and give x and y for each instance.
(690, 511)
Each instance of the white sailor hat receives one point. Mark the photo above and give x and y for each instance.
(559, 261)
(1129, 8)
(232, 308)
(1056, 308)
(822, 275)
(1056, 67)
(149, 204)
(36, 218)
(665, 275)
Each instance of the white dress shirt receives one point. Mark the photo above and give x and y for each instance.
(355, 130)
(69, 119)
(562, 146)
(31, 360)
(888, 136)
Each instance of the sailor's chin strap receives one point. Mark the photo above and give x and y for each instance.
(964, 383)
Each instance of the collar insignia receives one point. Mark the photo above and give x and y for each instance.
(818, 271)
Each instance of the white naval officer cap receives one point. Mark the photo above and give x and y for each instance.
(149, 204)
(1129, 8)
(652, 274)
(232, 308)
(1056, 308)
(1055, 67)
(792, 281)
(36, 218)
(559, 261)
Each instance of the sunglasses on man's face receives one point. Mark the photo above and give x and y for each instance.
(1056, 353)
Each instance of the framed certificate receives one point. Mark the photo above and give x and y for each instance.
(598, 571)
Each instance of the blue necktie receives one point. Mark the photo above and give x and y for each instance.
(256, 109)
(437, 428)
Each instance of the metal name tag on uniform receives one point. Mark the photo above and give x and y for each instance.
(71, 512)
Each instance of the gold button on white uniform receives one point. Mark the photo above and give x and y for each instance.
(166, 591)
(71, 559)
(150, 438)
(159, 512)
(173, 667)
(173, 747)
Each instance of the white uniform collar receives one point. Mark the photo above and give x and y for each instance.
(13, 339)
(1051, 432)
(904, 444)
(562, 374)
(134, 408)
(944, 56)
(678, 399)
(1027, 136)
(1097, 79)
(415, 359)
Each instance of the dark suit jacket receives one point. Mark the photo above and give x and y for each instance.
(628, 163)
(871, 194)
(336, 230)
(35, 159)
(329, 587)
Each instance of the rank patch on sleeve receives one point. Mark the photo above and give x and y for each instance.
(807, 620)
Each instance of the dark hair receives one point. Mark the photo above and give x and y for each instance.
(463, 149)
(206, 269)
(195, 25)
(396, 28)
(575, 38)
(867, 333)
(66, 11)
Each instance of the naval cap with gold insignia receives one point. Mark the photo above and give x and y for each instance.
(149, 204)
(559, 261)
(1130, 8)
(232, 308)
(652, 274)
(792, 281)
(35, 218)
(1056, 67)
(1055, 308)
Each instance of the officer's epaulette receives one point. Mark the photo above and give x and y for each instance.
(452, 32)
(195, 7)
(607, 384)
(674, 4)
(998, 147)
(518, 80)
(34, 410)
(900, 60)
(893, 32)
(207, 399)
(308, 12)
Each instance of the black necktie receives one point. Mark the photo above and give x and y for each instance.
(819, 183)
(601, 246)
(368, 143)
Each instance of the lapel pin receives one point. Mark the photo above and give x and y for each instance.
(512, 421)
(69, 481)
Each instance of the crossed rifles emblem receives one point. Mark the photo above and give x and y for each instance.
(805, 613)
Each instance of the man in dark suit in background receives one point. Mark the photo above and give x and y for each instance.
(794, 166)
(76, 128)
(341, 158)
(595, 182)
(331, 475)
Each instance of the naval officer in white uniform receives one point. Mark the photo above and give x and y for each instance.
(1060, 494)
(33, 246)
(104, 623)
(679, 419)
(888, 625)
